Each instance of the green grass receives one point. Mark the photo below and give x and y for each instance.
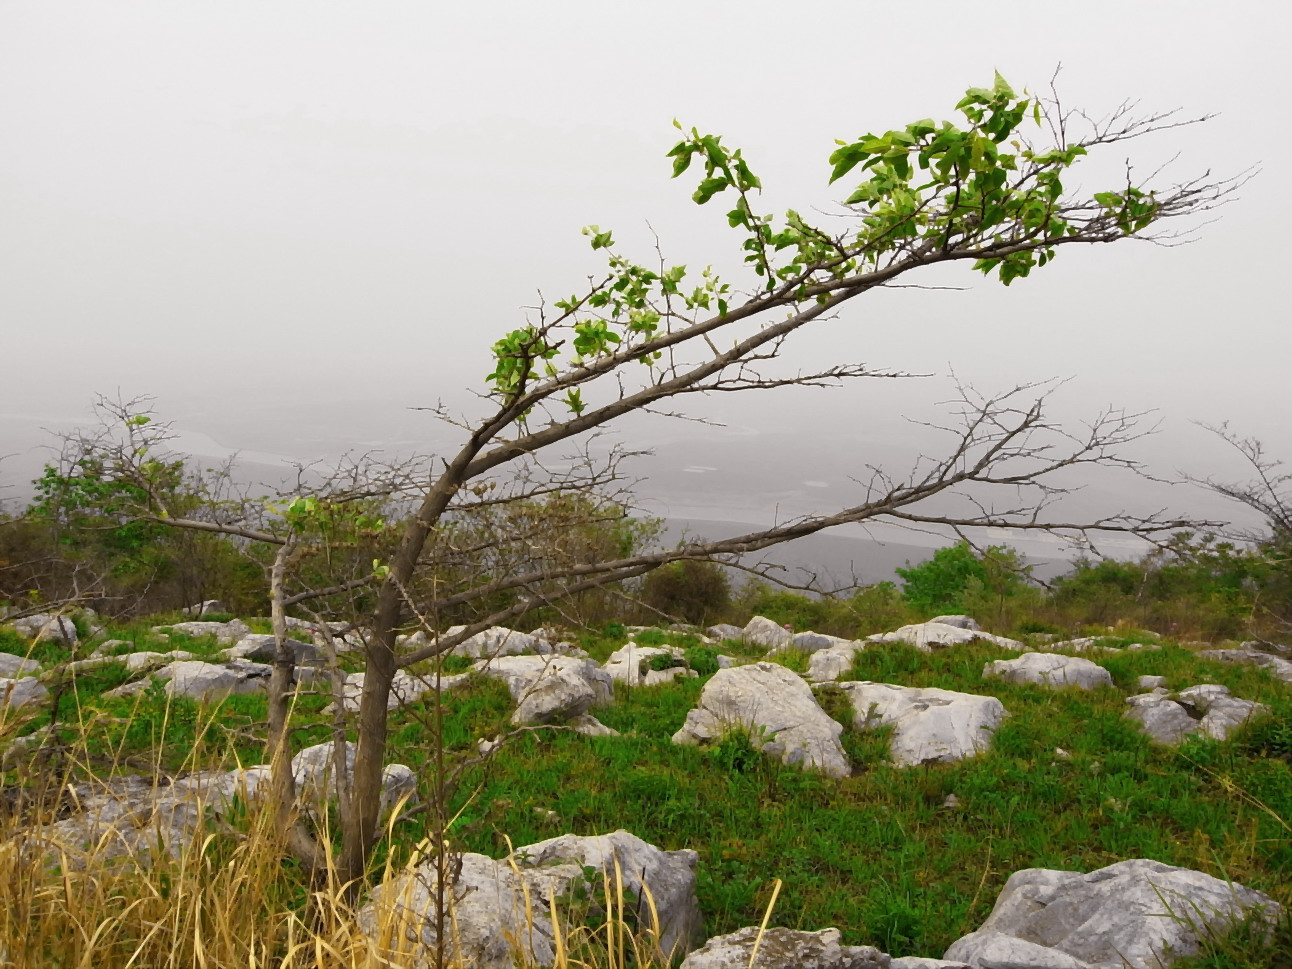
(878, 854)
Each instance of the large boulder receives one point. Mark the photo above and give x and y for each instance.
(778, 711)
(264, 648)
(930, 636)
(780, 948)
(13, 667)
(502, 911)
(633, 664)
(47, 626)
(225, 633)
(929, 725)
(810, 642)
(550, 689)
(204, 681)
(1208, 709)
(497, 641)
(1278, 667)
(668, 877)
(1050, 669)
(761, 631)
(405, 688)
(200, 609)
(1137, 914)
(959, 621)
(725, 630)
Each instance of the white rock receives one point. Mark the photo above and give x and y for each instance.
(920, 962)
(1208, 709)
(405, 688)
(761, 631)
(928, 636)
(496, 641)
(1119, 916)
(963, 622)
(929, 725)
(146, 660)
(208, 681)
(1279, 667)
(225, 633)
(778, 711)
(313, 772)
(830, 664)
(1050, 669)
(811, 642)
(550, 689)
(47, 626)
(781, 948)
(1150, 682)
(724, 630)
(631, 663)
(12, 667)
(201, 609)
(26, 691)
(264, 648)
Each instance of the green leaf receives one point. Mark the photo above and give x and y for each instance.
(1002, 88)
(709, 188)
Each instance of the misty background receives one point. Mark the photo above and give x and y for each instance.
(294, 223)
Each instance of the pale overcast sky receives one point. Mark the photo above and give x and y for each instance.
(292, 221)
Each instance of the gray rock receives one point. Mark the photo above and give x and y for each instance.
(962, 622)
(810, 642)
(497, 641)
(929, 725)
(209, 681)
(1279, 667)
(1150, 682)
(1139, 914)
(550, 689)
(761, 631)
(265, 648)
(778, 711)
(15, 694)
(781, 948)
(920, 962)
(1083, 645)
(928, 636)
(47, 626)
(1050, 669)
(1208, 709)
(830, 664)
(225, 633)
(724, 630)
(631, 663)
(12, 667)
(667, 876)
(200, 609)
(405, 688)
(313, 772)
(146, 660)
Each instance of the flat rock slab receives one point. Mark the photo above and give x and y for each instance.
(929, 725)
(1050, 669)
(1279, 667)
(1119, 917)
(1208, 709)
(778, 711)
(631, 664)
(930, 636)
(781, 948)
(550, 689)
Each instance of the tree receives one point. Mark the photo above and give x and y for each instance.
(638, 338)
(693, 590)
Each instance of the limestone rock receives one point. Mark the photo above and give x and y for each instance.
(811, 642)
(209, 681)
(781, 948)
(1050, 669)
(724, 630)
(550, 689)
(830, 664)
(1279, 667)
(1150, 682)
(146, 660)
(761, 631)
(961, 622)
(778, 711)
(920, 962)
(405, 688)
(668, 876)
(928, 636)
(1209, 709)
(12, 667)
(200, 609)
(929, 725)
(497, 641)
(264, 648)
(47, 626)
(1119, 916)
(15, 694)
(225, 633)
(631, 664)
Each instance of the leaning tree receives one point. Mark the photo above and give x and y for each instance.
(988, 191)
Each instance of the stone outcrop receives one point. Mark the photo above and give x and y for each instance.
(761, 631)
(1050, 669)
(12, 667)
(961, 622)
(929, 636)
(264, 648)
(47, 626)
(199, 680)
(780, 948)
(831, 663)
(632, 664)
(1278, 667)
(724, 630)
(1137, 914)
(503, 910)
(1208, 709)
(550, 689)
(225, 633)
(929, 725)
(18, 693)
(497, 641)
(778, 711)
